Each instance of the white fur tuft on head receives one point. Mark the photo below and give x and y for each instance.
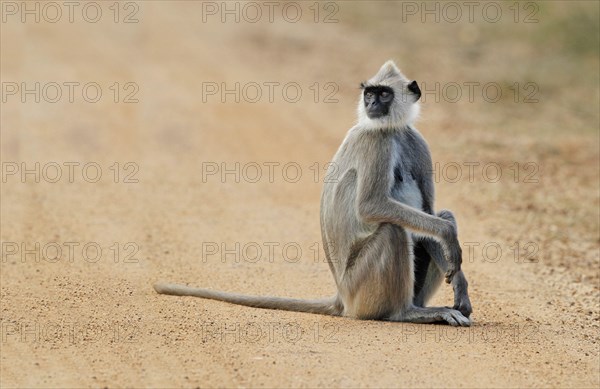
(405, 107)
(387, 75)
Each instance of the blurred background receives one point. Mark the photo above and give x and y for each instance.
(137, 128)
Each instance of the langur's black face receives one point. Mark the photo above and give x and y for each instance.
(378, 100)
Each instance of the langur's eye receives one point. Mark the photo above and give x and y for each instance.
(369, 95)
(386, 96)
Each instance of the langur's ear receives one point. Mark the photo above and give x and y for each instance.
(414, 88)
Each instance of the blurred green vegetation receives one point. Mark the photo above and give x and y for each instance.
(577, 30)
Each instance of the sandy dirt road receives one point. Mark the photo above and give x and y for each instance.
(188, 185)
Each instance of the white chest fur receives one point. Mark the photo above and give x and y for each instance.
(408, 192)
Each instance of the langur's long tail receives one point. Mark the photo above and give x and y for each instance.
(328, 306)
